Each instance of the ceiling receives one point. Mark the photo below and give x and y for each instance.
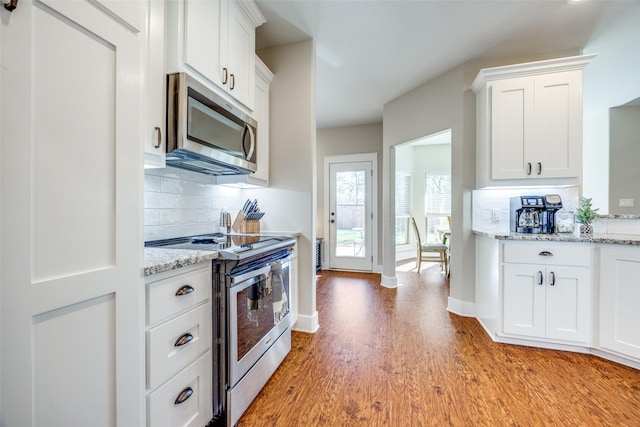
(370, 52)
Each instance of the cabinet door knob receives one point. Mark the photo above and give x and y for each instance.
(539, 168)
(553, 278)
(184, 395)
(184, 290)
(540, 278)
(528, 168)
(233, 81)
(545, 253)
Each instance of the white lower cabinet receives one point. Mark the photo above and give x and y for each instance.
(620, 300)
(542, 297)
(178, 344)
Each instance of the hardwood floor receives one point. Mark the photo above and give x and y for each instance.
(396, 357)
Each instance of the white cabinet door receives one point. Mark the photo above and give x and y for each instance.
(261, 114)
(238, 54)
(202, 38)
(155, 86)
(511, 128)
(568, 303)
(556, 146)
(620, 300)
(524, 300)
(72, 286)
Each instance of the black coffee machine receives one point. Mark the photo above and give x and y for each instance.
(534, 214)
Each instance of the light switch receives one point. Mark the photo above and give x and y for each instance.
(626, 203)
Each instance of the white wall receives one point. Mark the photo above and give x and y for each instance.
(624, 152)
(341, 141)
(290, 201)
(442, 103)
(609, 81)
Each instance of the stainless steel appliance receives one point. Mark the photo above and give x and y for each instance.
(205, 133)
(534, 214)
(251, 322)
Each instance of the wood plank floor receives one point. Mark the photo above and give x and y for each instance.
(396, 357)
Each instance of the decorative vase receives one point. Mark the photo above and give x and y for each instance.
(586, 229)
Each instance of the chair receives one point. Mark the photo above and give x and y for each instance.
(438, 251)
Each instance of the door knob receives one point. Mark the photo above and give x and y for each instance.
(332, 221)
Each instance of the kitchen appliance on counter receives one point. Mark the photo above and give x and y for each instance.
(251, 319)
(205, 133)
(534, 214)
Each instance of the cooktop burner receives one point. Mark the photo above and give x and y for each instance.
(228, 246)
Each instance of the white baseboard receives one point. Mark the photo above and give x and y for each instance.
(389, 282)
(308, 324)
(461, 308)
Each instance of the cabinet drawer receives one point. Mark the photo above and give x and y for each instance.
(164, 299)
(548, 253)
(165, 355)
(195, 411)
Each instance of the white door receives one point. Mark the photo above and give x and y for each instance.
(72, 287)
(350, 215)
(568, 303)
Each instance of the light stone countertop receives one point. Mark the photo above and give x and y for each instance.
(157, 260)
(616, 239)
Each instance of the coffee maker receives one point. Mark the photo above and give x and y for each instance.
(534, 214)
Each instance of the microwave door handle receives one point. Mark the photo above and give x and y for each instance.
(252, 137)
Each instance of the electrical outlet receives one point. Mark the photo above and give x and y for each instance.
(626, 203)
(495, 215)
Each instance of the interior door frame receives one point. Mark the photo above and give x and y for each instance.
(353, 158)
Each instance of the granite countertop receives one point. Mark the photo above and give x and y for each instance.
(157, 260)
(617, 239)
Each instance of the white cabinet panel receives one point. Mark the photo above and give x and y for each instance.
(620, 300)
(155, 86)
(70, 220)
(202, 38)
(568, 299)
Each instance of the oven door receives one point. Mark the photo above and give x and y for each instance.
(258, 307)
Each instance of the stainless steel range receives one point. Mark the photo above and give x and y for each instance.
(251, 322)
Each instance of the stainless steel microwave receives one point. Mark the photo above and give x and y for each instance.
(205, 133)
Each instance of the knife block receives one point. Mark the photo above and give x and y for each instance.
(241, 225)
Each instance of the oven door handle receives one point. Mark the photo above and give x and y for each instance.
(259, 273)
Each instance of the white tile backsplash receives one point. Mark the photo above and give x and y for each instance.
(181, 203)
(486, 201)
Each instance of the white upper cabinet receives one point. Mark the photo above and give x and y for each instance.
(215, 41)
(261, 114)
(529, 122)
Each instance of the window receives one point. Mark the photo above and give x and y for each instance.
(403, 207)
(437, 200)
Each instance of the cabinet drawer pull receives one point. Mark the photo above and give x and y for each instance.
(184, 290)
(225, 75)
(183, 396)
(545, 253)
(553, 278)
(528, 168)
(539, 168)
(159, 139)
(540, 278)
(183, 340)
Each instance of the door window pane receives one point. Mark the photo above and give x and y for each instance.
(437, 204)
(350, 213)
